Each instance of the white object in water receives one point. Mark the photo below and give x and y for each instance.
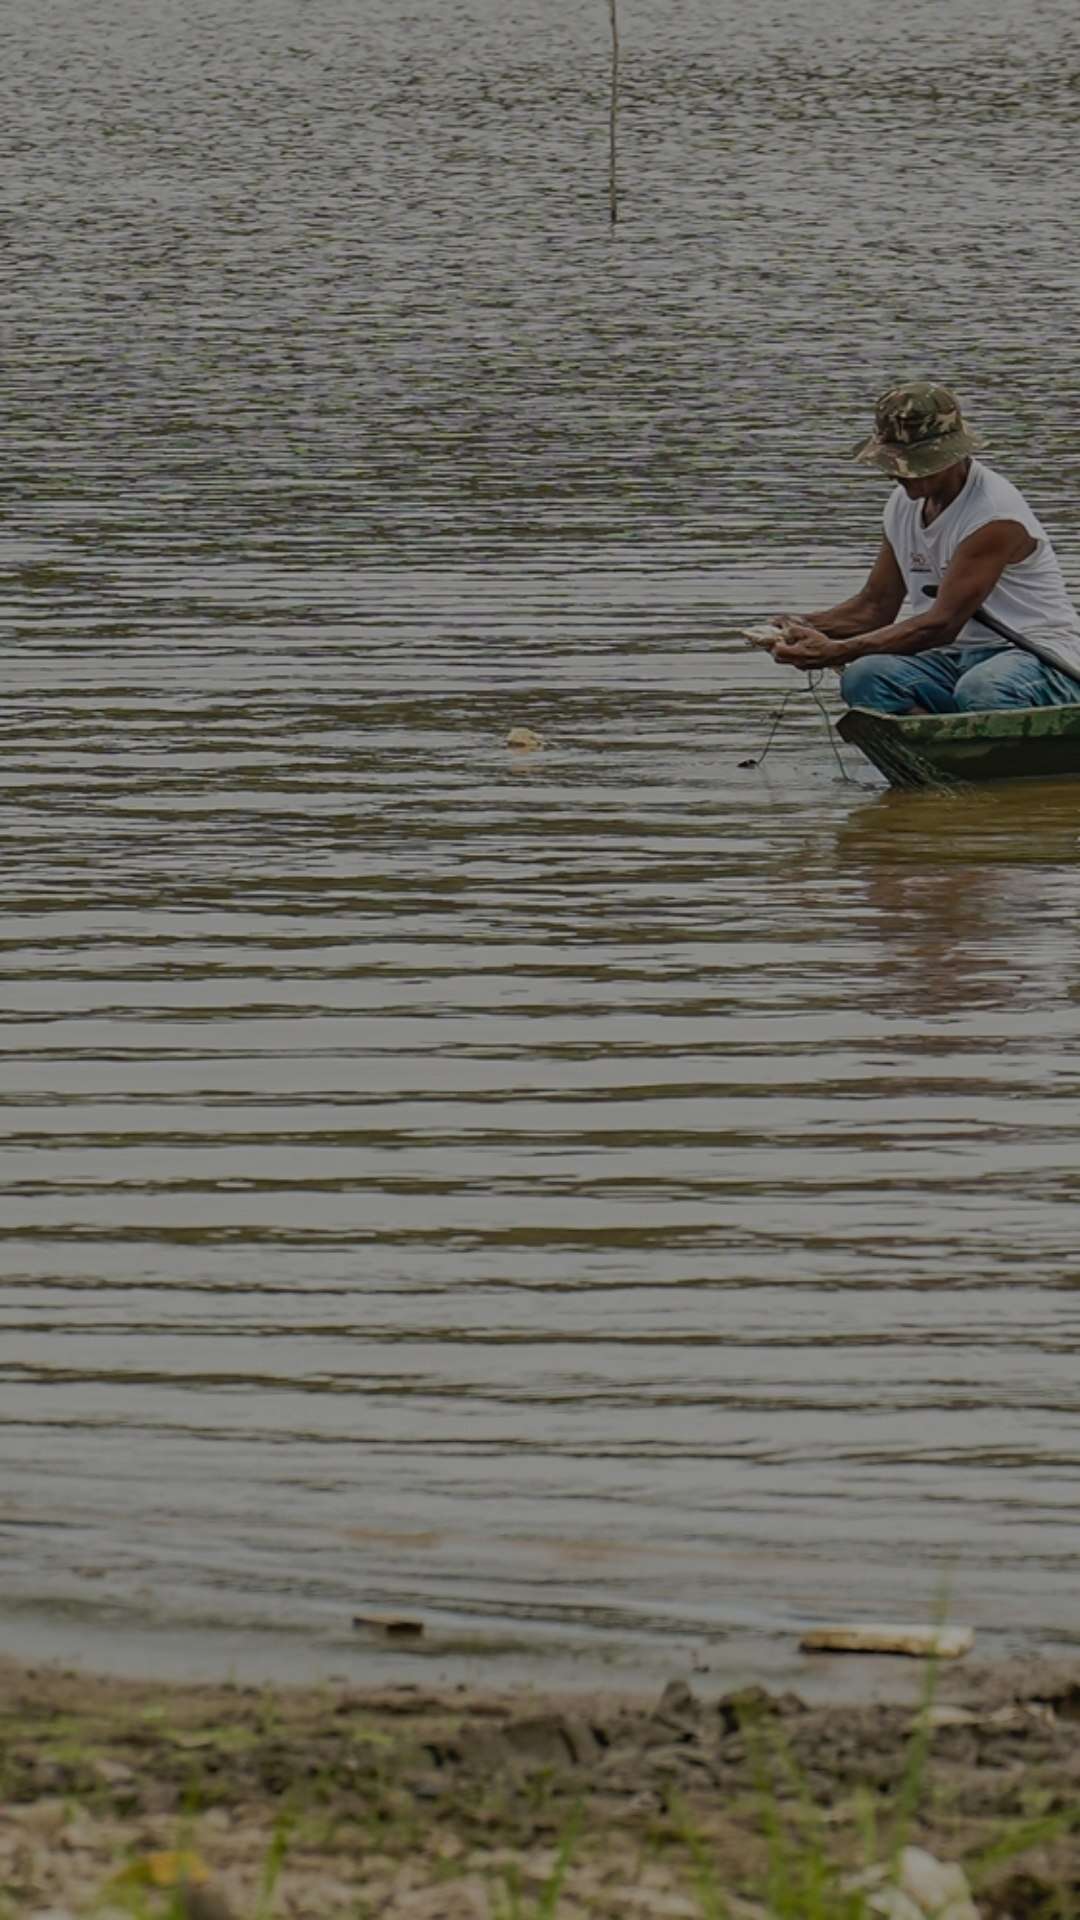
(524, 739)
(948, 1643)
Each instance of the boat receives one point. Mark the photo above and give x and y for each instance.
(958, 749)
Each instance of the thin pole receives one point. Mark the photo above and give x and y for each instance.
(613, 185)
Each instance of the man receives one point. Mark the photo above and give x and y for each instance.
(959, 543)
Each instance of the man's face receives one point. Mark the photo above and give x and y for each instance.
(933, 482)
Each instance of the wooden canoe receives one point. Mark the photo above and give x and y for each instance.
(957, 749)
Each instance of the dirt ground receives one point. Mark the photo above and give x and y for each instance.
(414, 1805)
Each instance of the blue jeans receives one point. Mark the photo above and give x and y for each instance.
(956, 680)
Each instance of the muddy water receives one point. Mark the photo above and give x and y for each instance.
(612, 1204)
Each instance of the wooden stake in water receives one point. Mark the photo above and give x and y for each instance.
(613, 184)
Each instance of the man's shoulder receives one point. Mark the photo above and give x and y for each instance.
(996, 498)
(996, 489)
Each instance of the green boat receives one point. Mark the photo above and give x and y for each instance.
(957, 749)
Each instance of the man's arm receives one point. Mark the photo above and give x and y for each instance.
(975, 570)
(876, 604)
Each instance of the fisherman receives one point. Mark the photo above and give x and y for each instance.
(991, 625)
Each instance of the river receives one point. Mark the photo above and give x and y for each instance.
(612, 1205)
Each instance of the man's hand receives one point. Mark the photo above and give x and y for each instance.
(803, 646)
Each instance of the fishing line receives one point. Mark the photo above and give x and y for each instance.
(812, 683)
(777, 717)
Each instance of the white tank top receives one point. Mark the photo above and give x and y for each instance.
(1030, 598)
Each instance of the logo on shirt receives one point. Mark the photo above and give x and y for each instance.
(920, 563)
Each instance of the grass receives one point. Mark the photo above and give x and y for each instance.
(271, 1873)
(803, 1881)
(801, 1860)
(511, 1904)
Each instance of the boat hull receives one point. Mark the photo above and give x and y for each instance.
(958, 749)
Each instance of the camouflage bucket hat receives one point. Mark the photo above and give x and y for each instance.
(919, 429)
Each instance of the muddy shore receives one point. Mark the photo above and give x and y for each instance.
(422, 1805)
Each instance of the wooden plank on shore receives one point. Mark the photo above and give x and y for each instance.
(946, 1643)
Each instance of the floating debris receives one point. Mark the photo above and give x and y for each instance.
(524, 739)
(391, 1626)
(948, 1643)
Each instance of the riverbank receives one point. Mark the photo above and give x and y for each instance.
(420, 1805)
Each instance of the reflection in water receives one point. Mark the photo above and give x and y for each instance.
(443, 1182)
(961, 923)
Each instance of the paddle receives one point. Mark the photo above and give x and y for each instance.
(986, 620)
